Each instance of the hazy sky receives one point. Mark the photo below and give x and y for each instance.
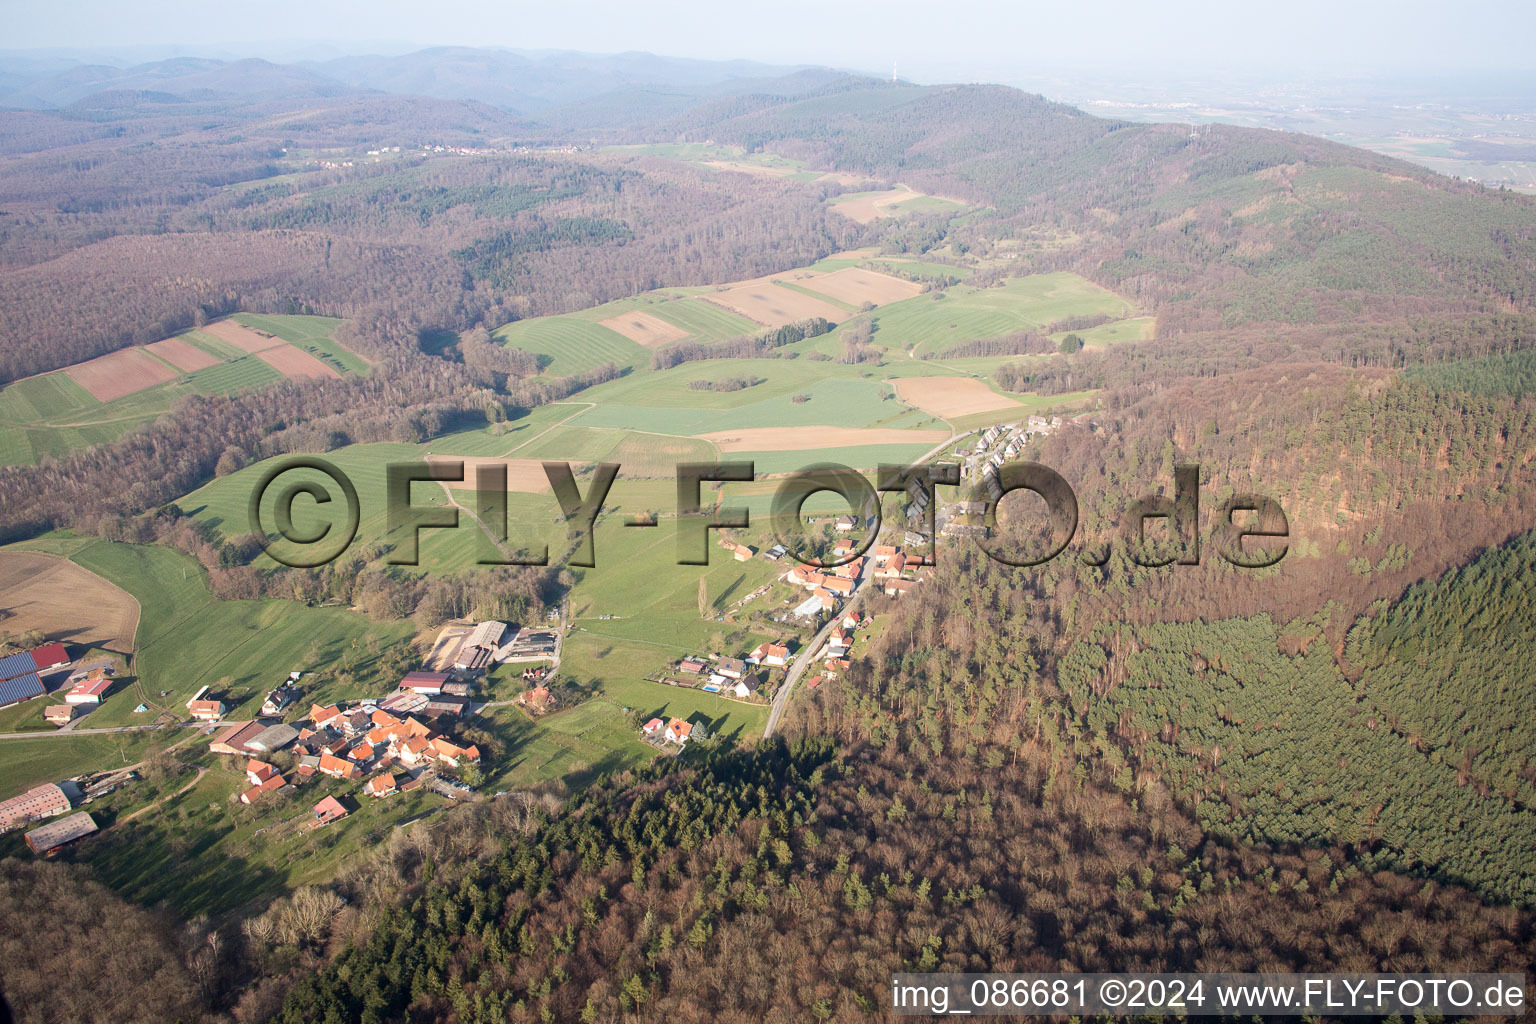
(927, 40)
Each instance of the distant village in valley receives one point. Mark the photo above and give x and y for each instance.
(421, 735)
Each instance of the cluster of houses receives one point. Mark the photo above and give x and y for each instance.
(996, 445)
(736, 677)
(350, 740)
(834, 653)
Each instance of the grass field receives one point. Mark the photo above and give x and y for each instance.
(572, 344)
(925, 324)
(188, 639)
(1136, 328)
(52, 415)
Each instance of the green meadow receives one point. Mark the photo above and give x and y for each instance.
(188, 639)
(577, 342)
(925, 323)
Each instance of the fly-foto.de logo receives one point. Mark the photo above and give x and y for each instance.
(331, 513)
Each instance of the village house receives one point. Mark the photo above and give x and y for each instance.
(271, 784)
(329, 810)
(279, 699)
(336, 767)
(845, 524)
(59, 714)
(326, 717)
(747, 685)
(381, 785)
(731, 668)
(205, 708)
(653, 729)
(769, 654)
(678, 731)
(692, 666)
(257, 772)
(837, 585)
(451, 754)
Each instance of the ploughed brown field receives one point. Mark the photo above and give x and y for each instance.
(65, 602)
(246, 339)
(790, 439)
(120, 373)
(183, 355)
(773, 305)
(950, 396)
(523, 475)
(644, 328)
(856, 286)
(294, 362)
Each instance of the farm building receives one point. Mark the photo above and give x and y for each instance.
(810, 608)
(273, 737)
(428, 683)
(653, 729)
(329, 810)
(454, 706)
(55, 834)
(19, 688)
(59, 714)
(233, 739)
(530, 645)
(38, 802)
(404, 702)
(48, 657)
(486, 636)
(89, 690)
